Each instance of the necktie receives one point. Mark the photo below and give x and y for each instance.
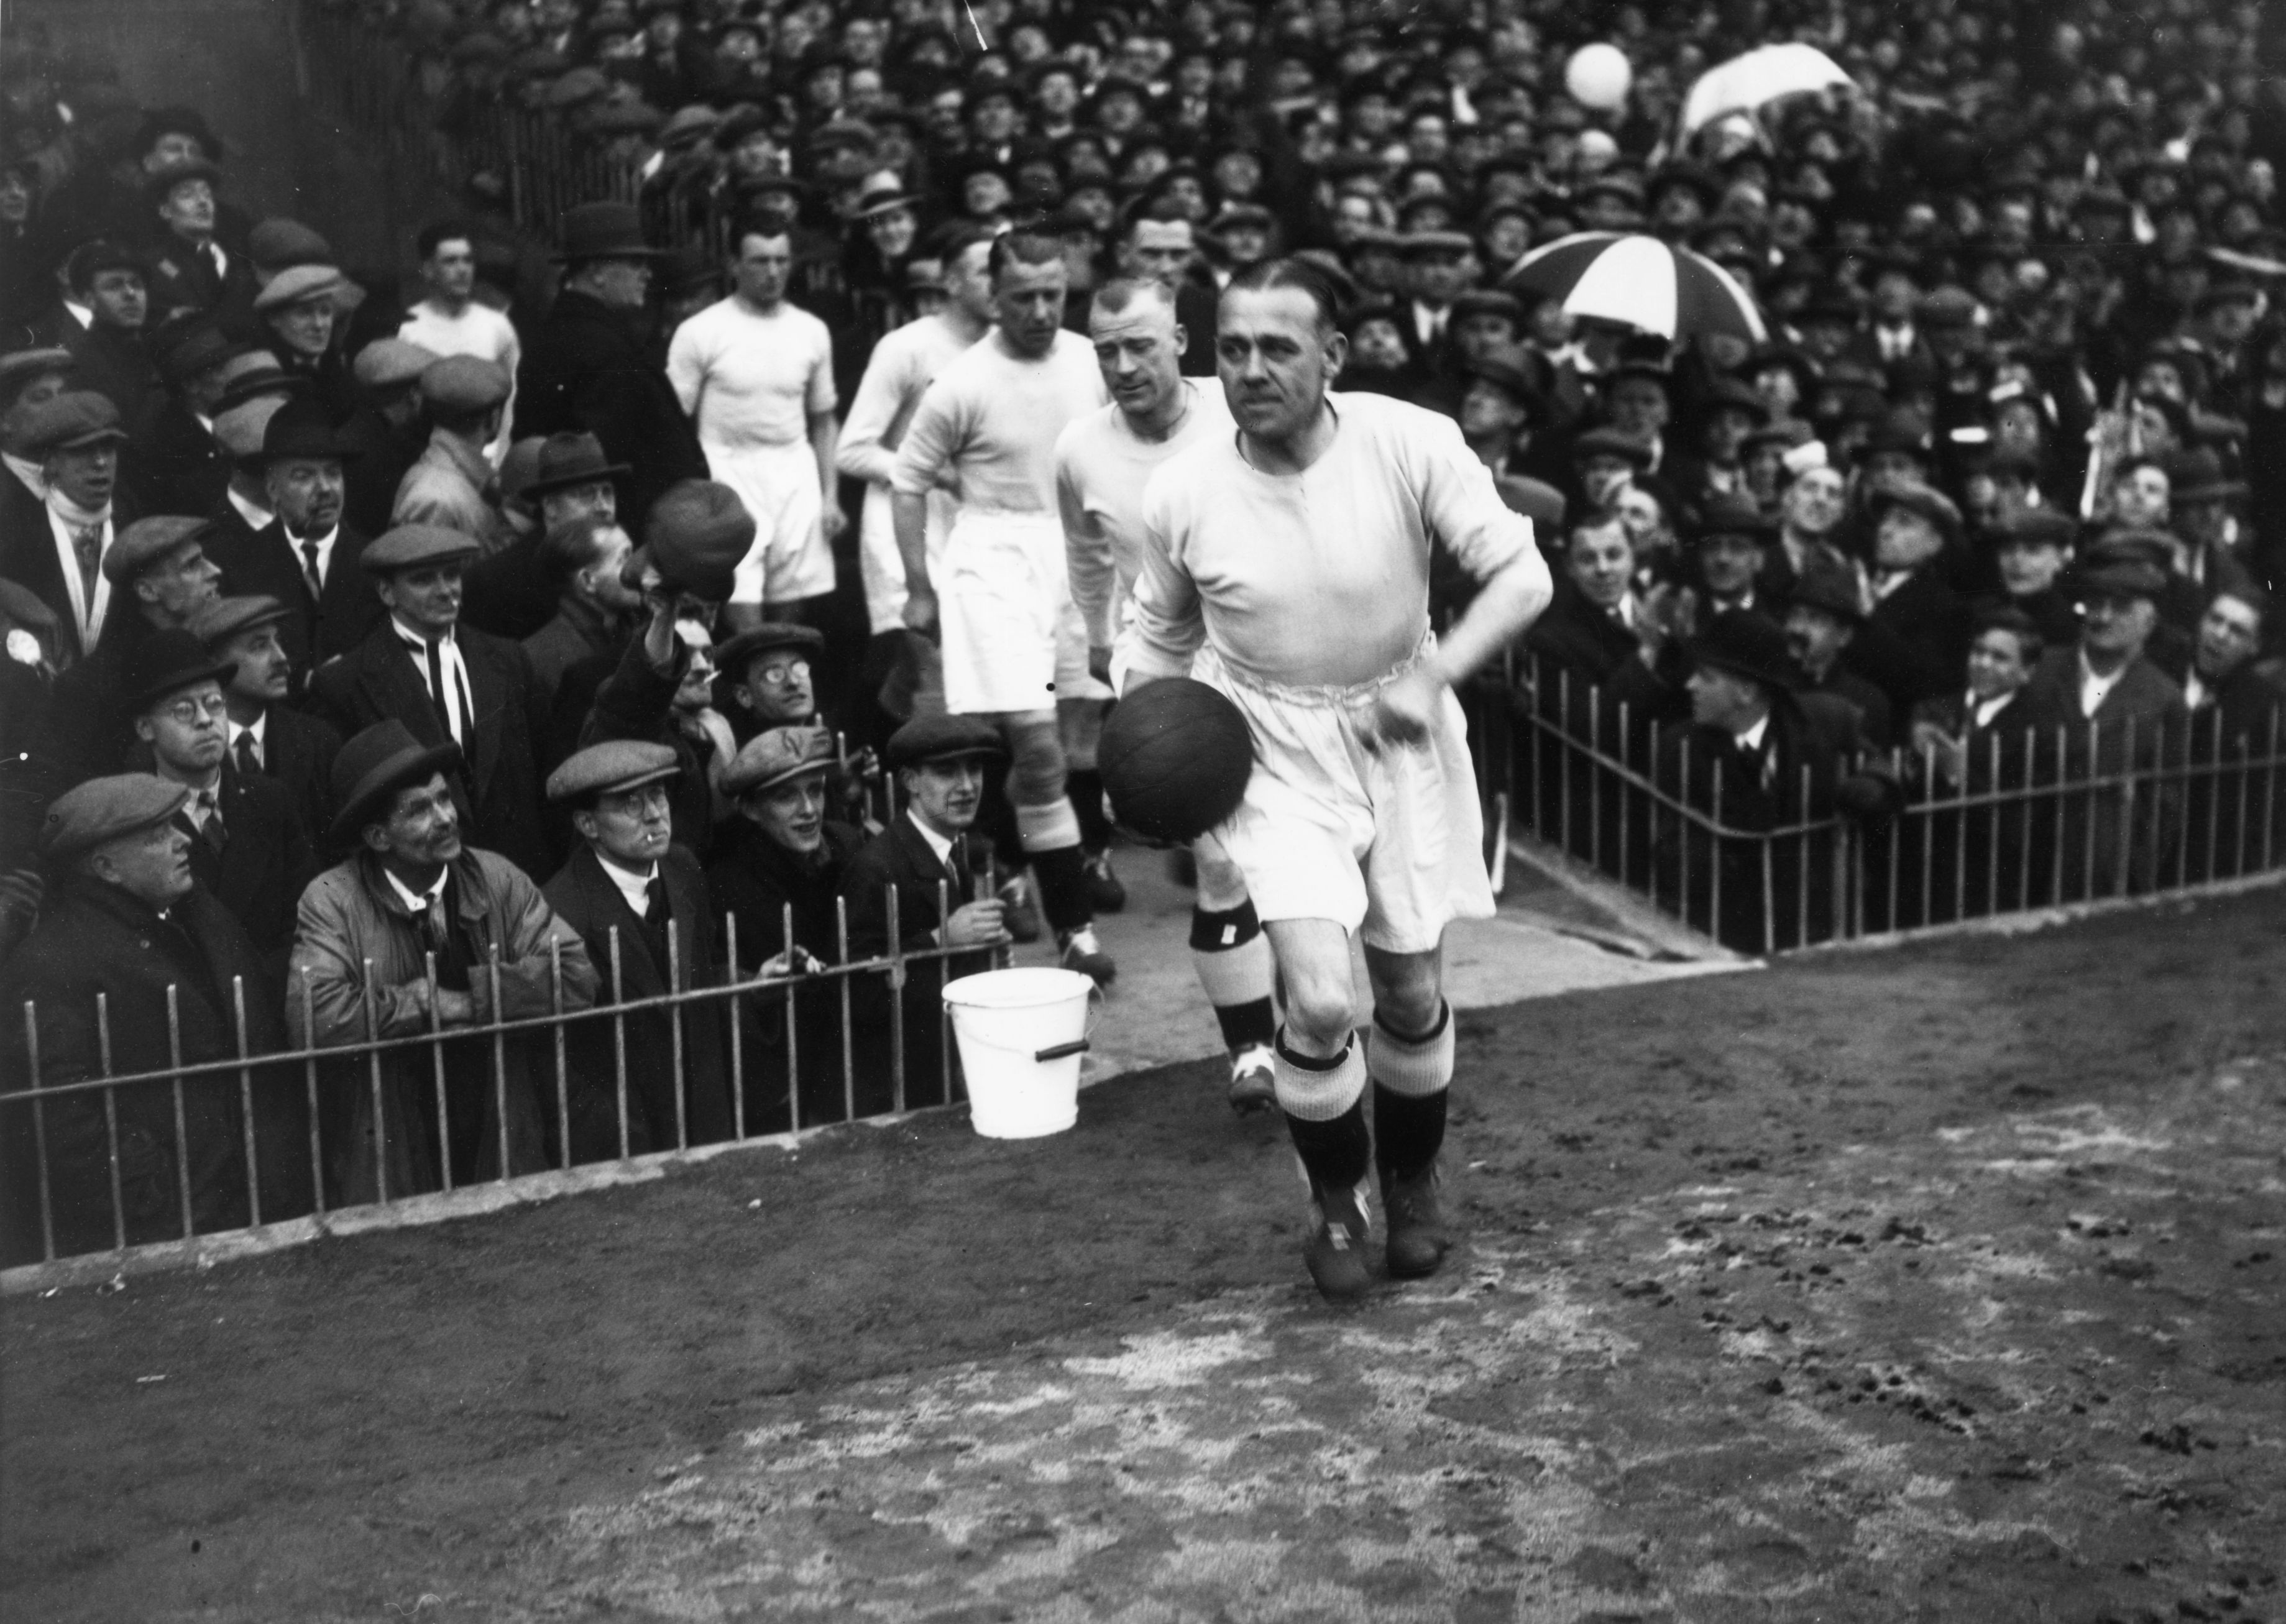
(655, 902)
(315, 581)
(957, 860)
(432, 926)
(216, 836)
(249, 762)
(87, 544)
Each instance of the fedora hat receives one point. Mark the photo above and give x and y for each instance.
(303, 429)
(568, 460)
(376, 763)
(603, 230)
(167, 662)
(1745, 644)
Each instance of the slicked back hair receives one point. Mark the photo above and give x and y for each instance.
(1120, 294)
(439, 231)
(1270, 275)
(1024, 247)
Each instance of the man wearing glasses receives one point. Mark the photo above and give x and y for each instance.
(248, 846)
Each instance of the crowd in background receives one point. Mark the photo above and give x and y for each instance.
(296, 537)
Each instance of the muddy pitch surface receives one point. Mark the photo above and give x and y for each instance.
(1948, 1284)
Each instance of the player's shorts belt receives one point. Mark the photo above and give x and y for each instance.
(1327, 695)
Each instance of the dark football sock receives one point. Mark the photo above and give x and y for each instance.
(1246, 1025)
(1334, 1153)
(1408, 1130)
(1084, 785)
(1063, 889)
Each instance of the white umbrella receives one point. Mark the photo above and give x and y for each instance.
(1744, 84)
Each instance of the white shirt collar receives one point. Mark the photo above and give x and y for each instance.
(2196, 690)
(1985, 710)
(259, 727)
(28, 473)
(635, 887)
(1752, 738)
(256, 517)
(941, 844)
(2094, 689)
(417, 902)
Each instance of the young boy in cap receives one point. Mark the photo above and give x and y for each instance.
(783, 852)
(124, 921)
(930, 856)
(449, 684)
(410, 900)
(639, 901)
(58, 551)
(268, 737)
(249, 849)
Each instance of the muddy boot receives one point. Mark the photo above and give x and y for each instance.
(1336, 1250)
(1418, 1238)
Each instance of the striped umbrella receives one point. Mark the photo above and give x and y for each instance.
(1640, 282)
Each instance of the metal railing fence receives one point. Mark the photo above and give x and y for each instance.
(2022, 822)
(116, 1163)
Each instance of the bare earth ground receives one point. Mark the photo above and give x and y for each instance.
(1938, 1284)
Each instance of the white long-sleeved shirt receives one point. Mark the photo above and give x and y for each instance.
(1102, 466)
(1319, 578)
(902, 366)
(750, 380)
(993, 418)
(478, 330)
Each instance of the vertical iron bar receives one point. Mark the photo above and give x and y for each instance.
(674, 1033)
(310, 1081)
(738, 1005)
(2056, 857)
(111, 1119)
(1596, 778)
(1960, 845)
(841, 981)
(1802, 897)
(245, 1102)
(499, 1060)
(182, 1119)
(792, 1014)
(619, 1040)
(943, 1017)
(437, 1073)
(897, 1003)
(39, 1131)
(1563, 717)
(555, 1031)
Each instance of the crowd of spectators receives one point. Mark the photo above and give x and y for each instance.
(527, 608)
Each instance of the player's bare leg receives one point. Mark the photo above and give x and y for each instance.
(1409, 1057)
(1320, 1079)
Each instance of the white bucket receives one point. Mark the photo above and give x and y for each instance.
(1021, 1034)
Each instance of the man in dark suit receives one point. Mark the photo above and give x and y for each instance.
(190, 267)
(124, 922)
(1915, 527)
(1592, 637)
(248, 848)
(76, 438)
(1971, 742)
(2235, 699)
(585, 369)
(1756, 756)
(178, 466)
(640, 903)
(304, 558)
(928, 855)
(385, 435)
(783, 853)
(109, 356)
(446, 683)
(1822, 618)
(268, 737)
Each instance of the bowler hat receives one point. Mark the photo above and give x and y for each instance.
(226, 617)
(2036, 527)
(375, 764)
(1744, 643)
(302, 428)
(2118, 570)
(1729, 394)
(695, 537)
(281, 243)
(162, 181)
(102, 809)
(732, 657)
(1611, 443)
(167, 662)
(74, 419)
(1511, 379)
(2196, 477)
(1726, 513)
(1826, 584)
(603, 230)
(776, 755)
(570, 459)
(608, 768)
(406, 546)
(943, 738)
(1926, 501)
(255, 375)
(145, 542)
(185, 348)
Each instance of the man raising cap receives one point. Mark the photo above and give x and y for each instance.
(1010, 648)
(448, 684)
(268, 737)
(123, 926)
(426, 933)
(1287, 565)
(510, 594)
(248, 848)
(639, 901)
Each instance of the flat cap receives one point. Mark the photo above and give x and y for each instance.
(1948, 307)
(697, 535)
(775, 755)
(407, 545)
(294, 284)
(1437, 243)
(185, 348)
(731, 657)
(1610, 443)
(226, 617)
(103, 809)
(943, 738)
(1931, 503)
(76, 417)
(1506, 375)
(145, 542)
(2120, 570)
(1827, 584)
(2036, 527)
(1486, 301)
(239, 431)
(617, 764)
(280, 242)
(386, 363)
(1729, 394)
(1726, 513)
(19, 369)
(464, 383)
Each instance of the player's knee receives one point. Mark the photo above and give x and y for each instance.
(1321, 1008)
(1409, 1009)
(1035, 766)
